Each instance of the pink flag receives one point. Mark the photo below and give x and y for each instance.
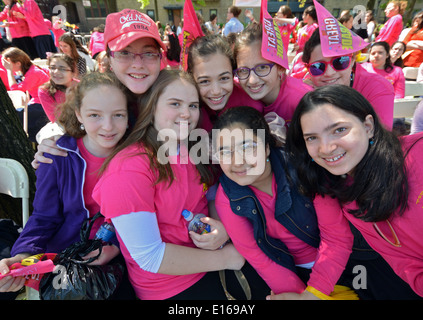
(272, 47)
(336, 39)
(190, 31)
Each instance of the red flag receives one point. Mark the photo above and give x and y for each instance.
(190, 31)
(272, 47)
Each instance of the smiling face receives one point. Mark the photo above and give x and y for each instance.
(264, 88)
(60, 72)
(137, 75)
(177, 109)
(242, 156)
(105, 118)
(331, 76)
(335, 139)
(213, 75)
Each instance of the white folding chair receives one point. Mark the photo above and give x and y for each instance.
(20, 99)
(14, 182)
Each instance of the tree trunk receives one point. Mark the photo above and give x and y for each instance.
(15, 145)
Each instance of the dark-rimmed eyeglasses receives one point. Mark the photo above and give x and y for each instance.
(60, 69)
(261, 70)
(319, 68)
(126, 56)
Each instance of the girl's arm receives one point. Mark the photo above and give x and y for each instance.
(154, 255)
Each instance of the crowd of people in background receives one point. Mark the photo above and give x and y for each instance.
(324, 183)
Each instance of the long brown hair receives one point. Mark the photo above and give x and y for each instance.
(17, 55)
(51, 86)
(146, 135)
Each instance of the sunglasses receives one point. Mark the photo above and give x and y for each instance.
(337, 63)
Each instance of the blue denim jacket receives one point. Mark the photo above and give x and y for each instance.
(294, 211)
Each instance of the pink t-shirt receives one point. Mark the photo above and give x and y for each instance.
(286, 30)
(96, 43)
(395, 77)
(407, 260)
(330, 258)
(50, 103)
(238, 98)
(391, 31)
(378, 91)
(291, 92)
(34, 78)
(91, 178)
(304, 34)
(17, 26)
(34, 18)
(128, 185)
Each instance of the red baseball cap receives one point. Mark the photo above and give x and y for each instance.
(124, 27)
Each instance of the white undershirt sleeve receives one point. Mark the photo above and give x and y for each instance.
(140, 233)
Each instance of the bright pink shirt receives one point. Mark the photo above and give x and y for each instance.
(330, 259)
(286, 30)
(304, 34)
(91, 178)
(407, 260)
(128, 185)
(391, 31)
(34, 78)
(50, 103)
(57, 34)
(34, 18)
(238, 98)
(97, 43)
(290, 94)
(17, 26)
(395, 77)
(378, 91)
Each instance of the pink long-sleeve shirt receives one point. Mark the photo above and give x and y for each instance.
(407, 260)
(395, 77)
(17, 26)
(34, 18)
(391, 31)
(50, 103)
(330, 258)
(378, 91)
(34, 78)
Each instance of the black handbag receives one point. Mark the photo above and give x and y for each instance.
(74, 279)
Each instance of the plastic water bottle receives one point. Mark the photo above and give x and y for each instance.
(106, 232)
(194, 223)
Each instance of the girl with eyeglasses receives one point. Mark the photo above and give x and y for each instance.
(16, 61)
(380, 63)
(268, 220)
(53, 93)
(264, 80)
(324, 71)
(370, 178)
(134, 52)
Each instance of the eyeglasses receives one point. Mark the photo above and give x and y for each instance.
(260, 70)
(126, 56)
(338, 63)
(245, 150)
(60, 69)
(396, 242)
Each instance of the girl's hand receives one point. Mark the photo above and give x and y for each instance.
(47, 146)
(11, 284)
(212, 240)
(107, 254)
